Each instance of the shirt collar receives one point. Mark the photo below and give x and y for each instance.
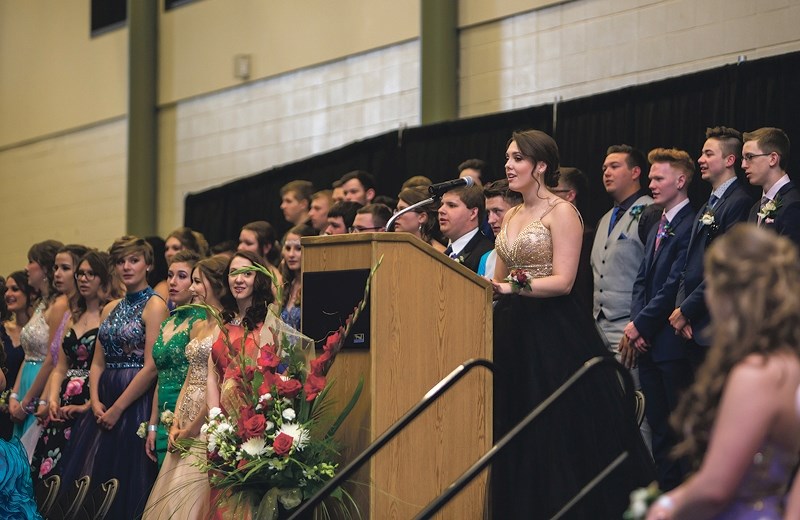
(461, 242)
(674, 211)
(627, 203)
(719, 192)
(773, 191)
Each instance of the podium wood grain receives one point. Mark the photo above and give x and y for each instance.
(428, 315)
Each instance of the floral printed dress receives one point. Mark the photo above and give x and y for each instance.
(54, 441)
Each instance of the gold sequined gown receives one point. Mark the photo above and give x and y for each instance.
(538, 344)
(181, 490)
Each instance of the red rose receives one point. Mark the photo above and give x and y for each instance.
(268, 358)
(288, 388)
(314, 385)
(282, 444)
(254, 427)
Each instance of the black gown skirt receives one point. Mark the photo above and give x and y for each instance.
(538, 344)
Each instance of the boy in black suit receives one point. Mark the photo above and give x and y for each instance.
(461, 212)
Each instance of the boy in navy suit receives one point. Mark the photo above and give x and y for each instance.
(765, 155)
(728, 204)
(664, 367)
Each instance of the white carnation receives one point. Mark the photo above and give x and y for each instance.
(255, 446)
(298, 433)
(289, 414)
(214, 412)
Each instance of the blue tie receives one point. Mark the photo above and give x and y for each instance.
(712, 201)
(614, 217)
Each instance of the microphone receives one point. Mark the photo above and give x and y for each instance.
(438, 189)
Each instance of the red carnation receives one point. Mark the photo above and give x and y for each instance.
(282, 444)
(314, 385)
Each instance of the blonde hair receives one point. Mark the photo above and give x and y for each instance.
(753, 293)
(675, 158)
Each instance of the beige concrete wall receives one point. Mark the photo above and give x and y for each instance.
(199, 40)
(53, 76)
(70, 188)
(584, 47)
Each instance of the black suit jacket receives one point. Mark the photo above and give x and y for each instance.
(732, 208)
(471, 255)
(656, 287)
(787, 218)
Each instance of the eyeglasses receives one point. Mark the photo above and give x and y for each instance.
(359, 229)
(750, 156)
(89, 275)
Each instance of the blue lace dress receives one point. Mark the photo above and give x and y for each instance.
(16, 489)
(34, 339)
(118, 452)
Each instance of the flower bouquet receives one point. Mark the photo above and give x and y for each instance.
(270, 445)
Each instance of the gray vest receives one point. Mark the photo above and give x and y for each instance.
(615, 263)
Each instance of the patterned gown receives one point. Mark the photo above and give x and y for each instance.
(54, 441)
(119, 452)
(34, 339)
(538, 344)
(170, 359)
(181, 490)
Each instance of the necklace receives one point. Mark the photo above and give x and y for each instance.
(236, 321)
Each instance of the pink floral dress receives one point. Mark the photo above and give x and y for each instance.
(54, 441)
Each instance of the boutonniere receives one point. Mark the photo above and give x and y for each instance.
(666, 232)
(708, 220)
(459, 259)
(767, 212)
(635, 212)
(520, 280)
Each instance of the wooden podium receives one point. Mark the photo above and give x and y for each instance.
(428, 315)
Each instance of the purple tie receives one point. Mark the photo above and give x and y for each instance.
(662, 228)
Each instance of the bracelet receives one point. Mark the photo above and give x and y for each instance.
(14, 396)
(42, 402)
(666, 502)
(152, 428)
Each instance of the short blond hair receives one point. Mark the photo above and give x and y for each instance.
(676, 158)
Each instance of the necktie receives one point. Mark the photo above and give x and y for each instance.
(614, 217)
(662, 229)
(449, 252)
(712, 201)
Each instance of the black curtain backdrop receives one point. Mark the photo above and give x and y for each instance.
(668, 113)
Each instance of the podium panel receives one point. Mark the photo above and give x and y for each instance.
(427, 315)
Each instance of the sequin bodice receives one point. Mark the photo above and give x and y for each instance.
(763, 488)
(122, 333)
(531, 250)
(169, 355)
(79, 350)
(35, 335)
(193, 395)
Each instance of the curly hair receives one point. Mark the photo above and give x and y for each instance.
(753, 292)
(262, 294)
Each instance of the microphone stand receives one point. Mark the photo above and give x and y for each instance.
(390, 224)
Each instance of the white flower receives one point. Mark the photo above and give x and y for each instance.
(224, 428)
(142, 430)
(289, 414)
(255, 446)
(298, 433)
(214, 412)
(270, 426)
(639, 509)
(212, 443)
(167, 417)
(707, 219)
(265, 397)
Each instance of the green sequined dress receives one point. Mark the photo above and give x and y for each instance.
(170, 358)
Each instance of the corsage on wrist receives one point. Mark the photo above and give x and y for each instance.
(520, 280)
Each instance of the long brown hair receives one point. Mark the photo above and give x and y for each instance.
(753, 294)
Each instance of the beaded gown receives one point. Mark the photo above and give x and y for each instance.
(181, 490)
(34, 339)
(538, 344)
(118, 452)
(170, 359)
(53, 444)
